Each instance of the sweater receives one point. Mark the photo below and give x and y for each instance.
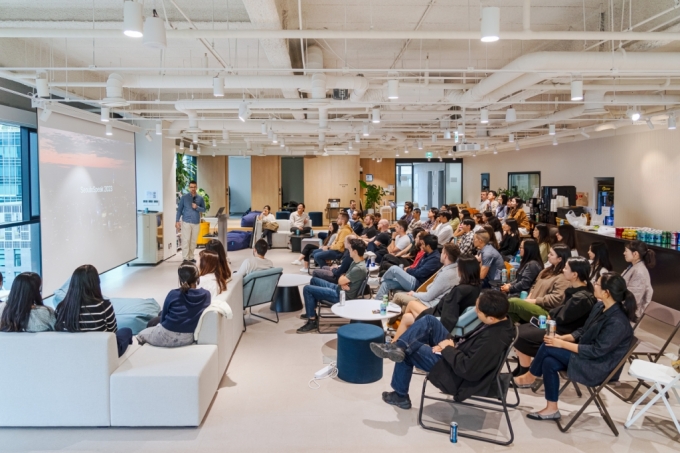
(41, 319)
(573, 313)
(299, 221)
(181, 311)
(509, 245)
(446, 278)
(638, 282)
(549, 291)
(339, 244)
(94, 317)
(470, 367)
(521, 217)
(454, 303)
(526, 276)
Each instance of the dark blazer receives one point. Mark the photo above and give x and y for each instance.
(344, 265)
(602, 343)
(526, 276)
(427, 266)
(453, 304)
(575, 311)
(469, 368)
(509, 245)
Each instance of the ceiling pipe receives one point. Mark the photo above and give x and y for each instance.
(555, 117)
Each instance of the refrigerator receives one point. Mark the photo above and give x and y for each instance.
(605, 201)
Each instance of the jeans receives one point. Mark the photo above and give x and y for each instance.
(547, 363)
(521, 311)
(268, 235)
(417, 341)
(396, 278)
(321, 256)
(123, 340)
(316, 291)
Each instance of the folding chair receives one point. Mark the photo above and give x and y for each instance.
(259, 288)
(595, 394)
(495, 395)
(665, 379)
(323, 308)
(662, 314)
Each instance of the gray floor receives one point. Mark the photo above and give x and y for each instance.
(264, 403)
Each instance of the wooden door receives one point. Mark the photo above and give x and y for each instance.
(265, 182)
(330, 177)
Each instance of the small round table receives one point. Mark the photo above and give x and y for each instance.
(362, 310)
(287, 296)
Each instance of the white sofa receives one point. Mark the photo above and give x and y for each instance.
(77, 379)
(280, 238)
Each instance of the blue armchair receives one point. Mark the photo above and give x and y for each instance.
(259, 288)
(466, 322)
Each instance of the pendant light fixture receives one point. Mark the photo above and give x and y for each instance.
(218, 86)
(159, 129)
(484, 116)
(375, 117)
(109, 129)
(132, 19)
(510, 115)
(105, 114)
(154, 32)
(577, 90)
(491, 24)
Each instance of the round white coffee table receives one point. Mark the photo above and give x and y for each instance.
(362, 310)
(287, 297)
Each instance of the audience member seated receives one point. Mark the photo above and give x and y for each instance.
(598, 255)
(589, 354)
(465, 237)
(529, 267)
(309, 248)
(319, 289)
(486, 216)
(300, 223)
(215, 246)
(24, 310)
(257, 262)
(455, 217)
(357, 225)
(84, 309)
(181, 311)
(636, 275)
(544, 240)
(491, 261)
(332, 273)
(465, 214)
(415, 222)
(212, 278)
(370, 229)
(548, 291)
(497, 227)
(266, 217)
(502, 209)
(409, 280)
(484, 201)
(442, 228)
(408, 213)
(492, 203)
(566, 234)
(479, 222)
(405, 257)
(382, 226)
(444, 279)
(492, 236)
(457, 366)
(337, 248)
(509, 246)
(432, 216)
(571, 315)
(401, 239)
(516, 211)
(351, 209)
(379, 246)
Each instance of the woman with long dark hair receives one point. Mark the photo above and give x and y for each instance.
(497, 228)
(566, 234)
(516, 211)
(211, 274)
(464, 214)
(492, 236)
(636, 275)
(548, 290)
(544, 240)
(216, 246)
(598, 254)
(571, 315)
(502, 209)
(182, 310)
(510, 244)
(24, 310)
(588, 354)
(309, 248)
(529, 268)
(84, 309)
(455, 216)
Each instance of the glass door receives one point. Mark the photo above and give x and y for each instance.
(404, 186)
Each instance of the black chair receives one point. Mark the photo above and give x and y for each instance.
(595, 394)
(492, 398)
(323, 309)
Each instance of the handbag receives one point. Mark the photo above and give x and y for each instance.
(273, 226)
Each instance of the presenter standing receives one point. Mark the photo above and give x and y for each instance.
(189, 210)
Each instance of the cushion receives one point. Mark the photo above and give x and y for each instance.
(248, 220)
(356, 363)
(238, 240)
(282, 215)
(316, 218)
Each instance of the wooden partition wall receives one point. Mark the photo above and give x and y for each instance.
(384, 175)
(330, 177)
(265, 182)
(212, 175)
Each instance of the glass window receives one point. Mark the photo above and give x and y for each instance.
(2, 257)
(10, 173)
(523, 184)
(17, 258)
(21, 254)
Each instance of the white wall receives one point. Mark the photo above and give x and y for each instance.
(645, 165)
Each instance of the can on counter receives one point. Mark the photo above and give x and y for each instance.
(551, 331)
(674, 238)
(523, 295)
(541, 321)
(453, 433)
(342, 299)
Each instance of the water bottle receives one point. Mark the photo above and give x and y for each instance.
(518, 257)
(342, 299)
(383, 305)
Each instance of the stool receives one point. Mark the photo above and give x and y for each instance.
(356, 363)
(313, 241)
(296, 241)
(316, 217)
(282, 215)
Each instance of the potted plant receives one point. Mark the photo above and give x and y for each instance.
(374, 194)
(183, 172)
(206, 198)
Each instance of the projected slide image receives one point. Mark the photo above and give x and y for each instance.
(88, 201)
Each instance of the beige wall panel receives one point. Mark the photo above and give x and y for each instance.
(645, 165)
(330, 177)
(212, 176)
(265, 182)
(384, 174)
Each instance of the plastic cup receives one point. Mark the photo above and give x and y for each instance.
(523, 295)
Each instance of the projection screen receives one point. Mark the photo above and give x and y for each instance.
(87, 197)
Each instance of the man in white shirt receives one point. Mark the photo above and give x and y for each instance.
(415, 223)
(443, 230)
(401, 240)
(484, 201)
(492, 204)
(300, 222)
(257, 262)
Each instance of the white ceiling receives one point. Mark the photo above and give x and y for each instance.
(419, 107)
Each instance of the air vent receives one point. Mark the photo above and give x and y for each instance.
(340, 94)
(466, 147)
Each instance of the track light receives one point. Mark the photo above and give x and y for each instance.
(225, 136)
(434, 138)
(365, 130)
(551, 129)
(45, 114)
(213, 154)
(447, 134)
(582, 132)
(357, 139)
(270, 134)
(349, 144)
(495, 150)
(486, 144)
(474, 154)
(633, 114)
(440, 159)
(214, 143)
(194, 138)
(191, 148)
(181, 145)
(42, 87)
(375, 117)
(577, 90)
(649, 124)
(132, 19)
(420, 144)
(393, 89)
(154, 32)
(491, 24)
(461, 130)
(671, 122)
(282, 143)
(511, 138)
(554, 141)
(397, 154)
(159, 129)
(243, 112)
(274, 139)
(510, 115)
(148, 136)
(517, 146)
(218, 87)
(109, 129)
(263, 128)
(484, 116)
(105, 114)
(198, 149)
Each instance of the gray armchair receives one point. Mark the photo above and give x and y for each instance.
(259, 288)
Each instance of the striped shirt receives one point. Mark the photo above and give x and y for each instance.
(96, 317)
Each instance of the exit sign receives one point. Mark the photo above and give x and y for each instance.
(428, 155)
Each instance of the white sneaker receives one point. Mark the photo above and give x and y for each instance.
(296, 262)
(304, 270)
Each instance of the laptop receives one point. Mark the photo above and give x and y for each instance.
(220, 212)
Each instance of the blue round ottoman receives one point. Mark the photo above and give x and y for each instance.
(356, 363)
(316, 217)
